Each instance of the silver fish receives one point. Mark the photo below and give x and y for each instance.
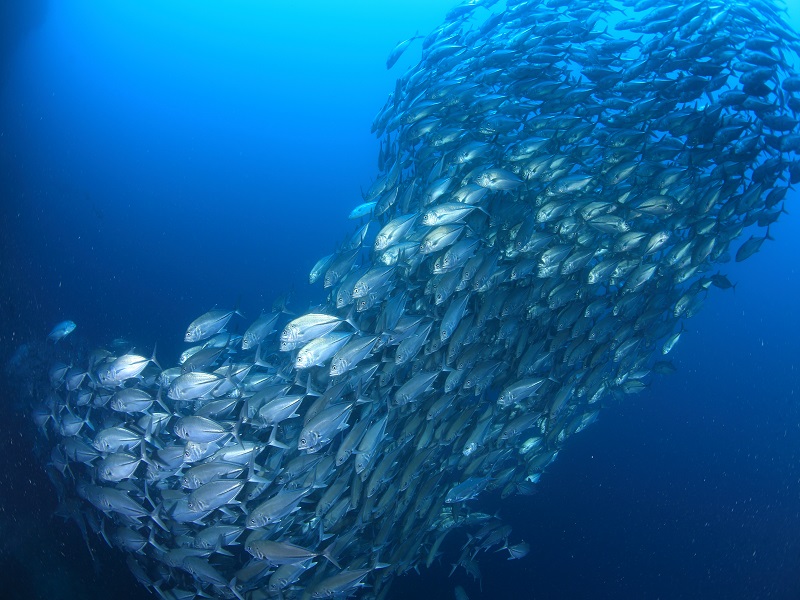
(209, 324)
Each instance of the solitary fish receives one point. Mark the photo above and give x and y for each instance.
(751, 246)
(61, 331)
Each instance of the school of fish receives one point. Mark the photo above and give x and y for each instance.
(557, 185)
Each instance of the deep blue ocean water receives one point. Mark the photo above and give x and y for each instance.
(157, 159)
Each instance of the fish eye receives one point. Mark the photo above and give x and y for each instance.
(303, 441)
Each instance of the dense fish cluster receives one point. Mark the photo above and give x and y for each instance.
(556, 185)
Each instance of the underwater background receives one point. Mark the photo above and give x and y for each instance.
(158, 159)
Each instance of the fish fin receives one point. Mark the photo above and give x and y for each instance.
(349, 319)
(469, 541)
(259, 362)
(153, 356)
(236, 310)
(226, 511)
(156, 519)
(483, 210)
(102, 532)
(326, 553)
(92, 378)
(235, 434)
(151, 539)
(310, 391)
(148, 436)
(242, 417)
(252, 470)
(273, 441)
(322, 535)
(161, 402)
(232, 588)
(86, 420)
(359, 399)
(142, 453)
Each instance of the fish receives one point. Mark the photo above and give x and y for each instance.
(519, 390)
(131, 400)
(320, 430)
(540, 240)
(519, 550)
(398, 51)
(61, 330)
(307, 328)
(193, 385)
(215, 494)
(459, 593)
(118, 466)
(320, 267)
(498, 179)
(751, 246)
(319, 350)
(199, 429)
(279, 553)
(339, 584)
(467, 490)
(349, 356)
(209, 324)
(126, 367)
(258, 331)
(274, 509)
(361, 210)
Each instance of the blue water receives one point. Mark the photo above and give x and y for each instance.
(157, 159)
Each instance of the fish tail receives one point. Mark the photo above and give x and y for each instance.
(273, 441)
(142, 453)
(157, 519)
(151, 539)
(236, 310)
(153, 356)
(322, 535)
(232, 588)
(161, 402)
(327, 554)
